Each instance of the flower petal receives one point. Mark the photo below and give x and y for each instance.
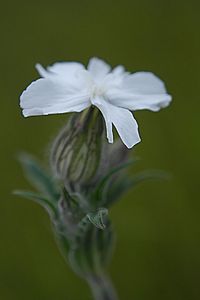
(62, 68)
(144, 83)
(126, 126)
(98, 68)
(123, 121)
(68, 72)
(118, 70)
(142, 90)
(65, 68)
(103, 106)
(45, 96)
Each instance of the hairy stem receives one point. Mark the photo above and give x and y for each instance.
(101, 287)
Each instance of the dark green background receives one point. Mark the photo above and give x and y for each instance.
(158, 247)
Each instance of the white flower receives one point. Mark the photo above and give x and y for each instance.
(69, 87)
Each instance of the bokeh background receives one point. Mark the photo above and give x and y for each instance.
(158, 223)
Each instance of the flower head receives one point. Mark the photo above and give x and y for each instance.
(70, 87)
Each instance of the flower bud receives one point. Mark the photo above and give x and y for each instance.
(76, 151)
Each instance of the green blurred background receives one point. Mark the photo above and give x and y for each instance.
(158, 225)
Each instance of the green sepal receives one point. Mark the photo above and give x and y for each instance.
(76, 152)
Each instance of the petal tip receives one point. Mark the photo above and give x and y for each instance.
(42, 72)
(129, 146)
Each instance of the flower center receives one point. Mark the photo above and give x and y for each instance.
(97, 91)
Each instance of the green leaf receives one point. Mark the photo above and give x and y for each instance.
(63, 244)
(44, 202)
(99, 190)
(38, 177)
(122, 186)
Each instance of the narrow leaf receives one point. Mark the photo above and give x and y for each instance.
(123, 186)
(38, 199)
(38, 177)
(100, 187)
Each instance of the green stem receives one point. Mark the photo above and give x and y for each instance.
(101, 287)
